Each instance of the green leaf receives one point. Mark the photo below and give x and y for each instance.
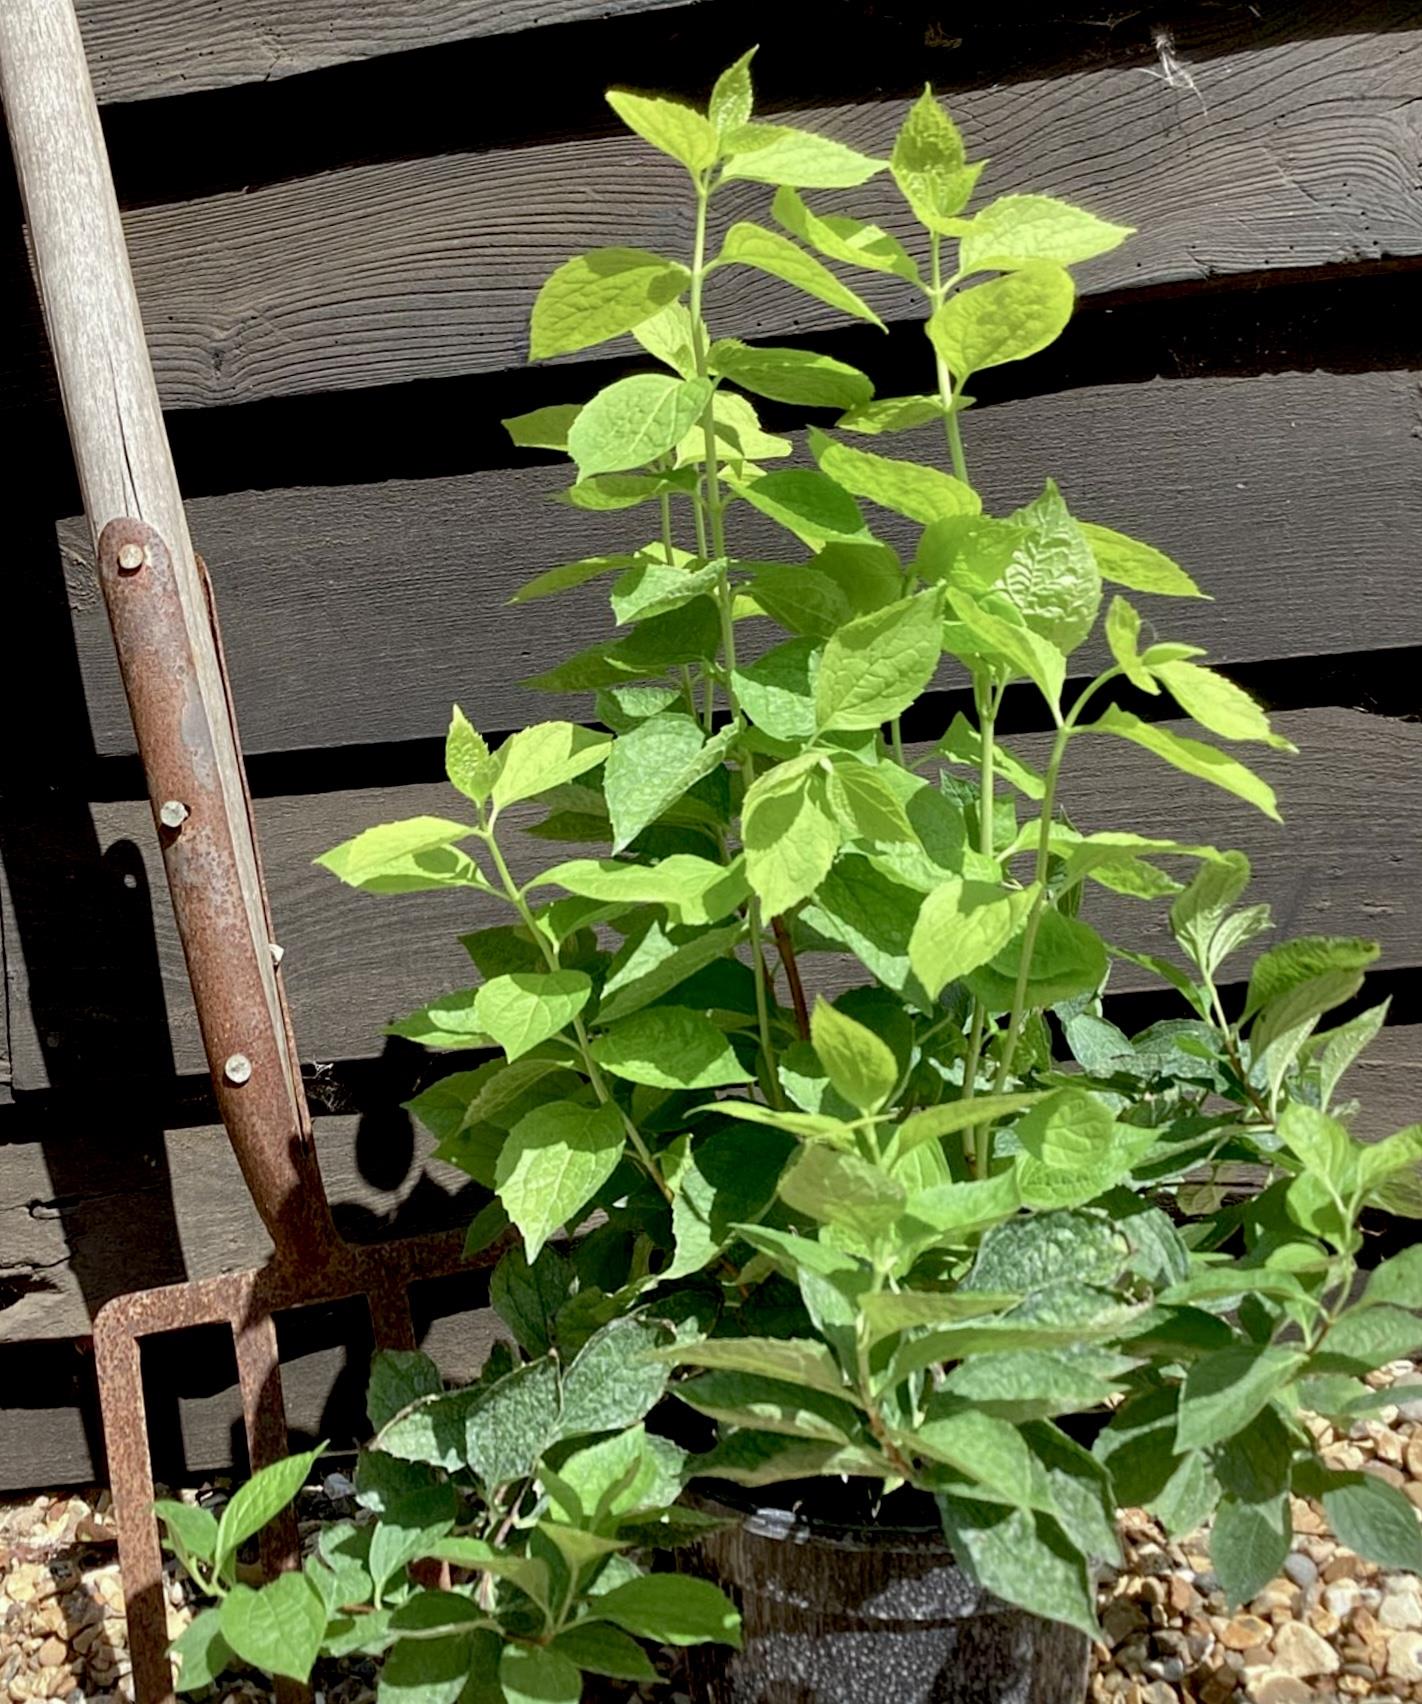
(1192, 757)
(654, 588)
(597, 296)
(963, 744)
(634, 421)
(843, 1190)
(1016, 229)
(988, 1451)
(1218, 704)
(1025, 652)
(672, 127)
(860, 1066)
(1022, 1557)
(790, 835)
(1223, 1392)
(191, 1532)
(733, 96)
(770, 1405)
(407, 1530)
(935, 1122)
(1399, 1280)
(570, 574)
(605, 493)
(808, 504)
(796, 1361)
(740, 437)
(791, 375)
(448, 1022)
(696, 890)
(615, 1379)
(398, 1377)
(930, 167)
(382, 856)
(277, 1629)
(892, 414)
(877, 665)
(555, 1160)
(868, 806)
(669, 1047)
(1136, 566)
(1006, 319)
(527, 1296)
(466, 759)
(1331, 1054)
(776, 691)
(848, 241)
(435, 1671)
(653, 965)
(1198, 916)
(1123, 632)
(264, 1496)
(767, 251)
(963, 925)
(535, 1674)
(1068, 958)
(600, 1649)
(651, 768)
(1366, 1338)
(922, 493)
(543, 428)
(1282, 968)
(1249, 1543)
(1049, 1250)
(1051, 576)
(1373, 1519)
(201, 1650)
(524, 1009)
(671, 1609)
(543, 757)
(1033, 1384)
(777, 153)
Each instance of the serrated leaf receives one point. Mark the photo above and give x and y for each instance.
(1006, 319)
(201, 1650)
(545, 756)
(1123, 632)
(790, 836)
(769, 252)
(615, 1378)
(1218, 704)
(671, 1609)
(652, 966)
(600, 1649)
(1051, 576)
(670, 126)
(842, 1190)
(776, 691)
(263, 1497)
(599, 295)
(801, 599)
(770, 1405)
(922, 493)
(791, 375)
(861, 1067)
(1017, 229)
(778, 153)
(849, 241)
(1223, 1392)
(522, 1010)
(1025, 652)
(651, 768)
(1249, 1543)
(732, 96)
(278, 1628)
(808, 504)
(543, 428)
(695, 889)
(892, 414)
(385, 854)
(963, 925)
(877, 665)
(398, 1377)
(1374, 1519)
(534, 1674)
(930, 167)
(1138, 567)
(635, 420)
(570, 574)
(555, 1160)
(1281, 968)
(1191, 757)
(190, 1531)
(1022, 1557)
(670, 1047)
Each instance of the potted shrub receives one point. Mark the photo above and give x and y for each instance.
(937, 1236)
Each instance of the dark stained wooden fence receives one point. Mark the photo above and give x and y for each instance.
(339, 215)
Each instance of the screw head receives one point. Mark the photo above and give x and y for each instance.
(238, 1068)
(131, 557)
(173, 813)
(278, 952)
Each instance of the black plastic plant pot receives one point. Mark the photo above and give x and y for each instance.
(858, 1614)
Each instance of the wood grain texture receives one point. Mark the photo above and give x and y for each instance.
(354, 961)
(427, 267)
(139, 49)
(402, 586)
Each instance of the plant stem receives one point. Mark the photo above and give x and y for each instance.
(946, 392)
(987, 700)
(590, 1065)
(786, 948)
(714, 507)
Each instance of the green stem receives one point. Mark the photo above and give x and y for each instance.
(987, 703)
(947, 395)
(590, 1065)
(714, 507)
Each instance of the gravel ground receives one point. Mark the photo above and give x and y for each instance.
(1331, 1627)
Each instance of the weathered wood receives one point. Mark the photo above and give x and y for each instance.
(427, 267)
(401, 585)
(354, 961)
(120, 447)
(142, 48)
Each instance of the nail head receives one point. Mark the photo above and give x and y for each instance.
(278, 953)
(130, 557)
(173, 813)
(238, 1068)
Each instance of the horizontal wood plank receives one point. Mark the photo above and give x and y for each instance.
(418, 268)
(139, 49)
(354, 961)
(401, 586)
